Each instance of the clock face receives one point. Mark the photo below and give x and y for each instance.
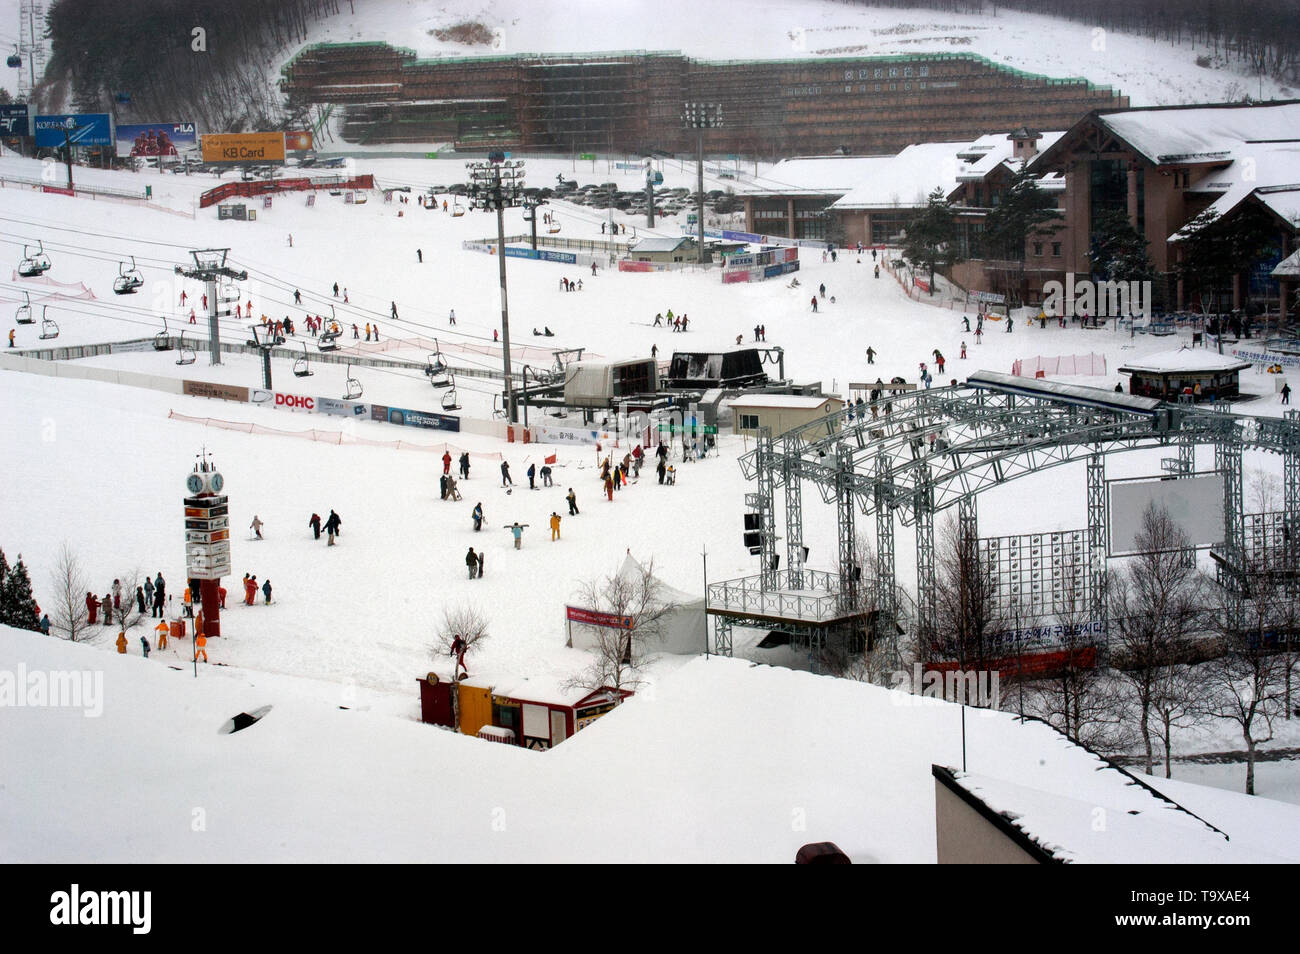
(217, 482)
(194, 483)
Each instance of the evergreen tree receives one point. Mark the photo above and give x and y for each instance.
(4, 573)
(17, 605)
(1025, 211)
(1119, 252)
(1214, 249)
(932, 236)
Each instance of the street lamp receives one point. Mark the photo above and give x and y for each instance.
(497, 185)
(701, 116)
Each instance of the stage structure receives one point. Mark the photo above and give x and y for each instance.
(940, 448)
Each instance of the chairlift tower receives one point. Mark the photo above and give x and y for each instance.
(31, 24)
(209, 265)
(497, 185)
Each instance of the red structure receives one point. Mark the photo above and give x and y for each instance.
(246, 190)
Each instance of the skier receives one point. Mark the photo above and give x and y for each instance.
(332, 527)
(419, 256)
(532, 474)
(518, 531)
(314, 523)
(477, 517)
(871, 356)
(451, 317)
(200, 647)
(555, 526)
(266, 591)
(505, 474)
(814, 304)
(572, 498)
(446, 462)
(256, 526)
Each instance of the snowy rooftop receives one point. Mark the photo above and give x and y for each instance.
(1289, 267)
(905, 180)
(815, 175)
(1185, 359)
(1205, 133)
(783, 401)
(659, 244)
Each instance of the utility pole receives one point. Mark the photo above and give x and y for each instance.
(496, 185)
(701, 116)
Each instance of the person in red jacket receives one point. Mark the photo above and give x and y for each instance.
(92, 609)
(446, 462)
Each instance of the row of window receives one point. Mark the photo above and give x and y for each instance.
(1038, 249)
(893, 72)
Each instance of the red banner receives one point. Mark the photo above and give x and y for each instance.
(577, 614)
(923, 285)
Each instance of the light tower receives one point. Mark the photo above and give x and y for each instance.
(497, 185)
(701, 116)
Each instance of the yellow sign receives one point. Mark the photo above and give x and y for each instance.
(243, 147)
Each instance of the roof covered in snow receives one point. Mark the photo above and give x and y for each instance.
(775, 401)
(1289, 267)
(814, 175)
(1185, 359)
(1203, 134)
(904, 181)
(654, 243)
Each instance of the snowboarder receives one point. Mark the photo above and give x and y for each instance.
(256, 526)
(477, 517)
(332, 527)
(518, 531)
(555, 526)
(314, 523)
(505, 474)
(572, 498)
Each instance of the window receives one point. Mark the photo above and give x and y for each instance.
(1056, 250)
(907, 72)
(878, 74)
(923, 71)
(1038, 249)
(749, 422)
(893, 72)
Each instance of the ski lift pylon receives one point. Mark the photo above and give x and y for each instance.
(23, 316)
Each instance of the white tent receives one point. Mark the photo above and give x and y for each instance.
(683, 631)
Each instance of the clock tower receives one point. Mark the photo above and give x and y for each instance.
(207, 537)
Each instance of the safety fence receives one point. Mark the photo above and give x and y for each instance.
(1068, 364)
(269, 186)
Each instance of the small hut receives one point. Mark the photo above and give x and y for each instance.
(1197, 373)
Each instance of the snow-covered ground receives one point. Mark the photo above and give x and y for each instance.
(101, 466)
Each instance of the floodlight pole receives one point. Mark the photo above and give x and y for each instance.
(498, 185)
(701, 116)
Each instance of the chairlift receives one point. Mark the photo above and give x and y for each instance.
(457, 210)
(301, 366)
(128, 280)
(554, 226)
(49, 327)
(354, 387)
(436, 367)
(187, 354)
(23, 316)
(14, 61)
(228, 291)
(34, 263)
(162, 341)
(449, 402)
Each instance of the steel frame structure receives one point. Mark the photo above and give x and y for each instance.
(941, 448)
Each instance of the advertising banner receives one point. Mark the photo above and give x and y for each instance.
(342, 408)
(226, 392)
(154, 139)
(243, 147)
(294, 402)
(83, 129)
(576, 614)
(299, 141)
(442, 422)
(550, 434)
(14, 120)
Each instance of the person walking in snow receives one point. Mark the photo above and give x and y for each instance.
(963, 351)
(446, 462)
(332, 526)
(314, 523)
(464, 466)
(572, 498)
(139, 600)
(451, 317)
(266, 591)
(871, 355)
(517, 530)
(555, 526)
(505, 474)
(92, 609)
(480, 564)
(532, 474)
(477, 517)
(256, 526)
(393, 310)
(419, 256)
(814, 304)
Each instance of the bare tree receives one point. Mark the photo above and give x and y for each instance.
(965, 590)
(1156, 610)
(460, 624)
(880, 646)
(640, 601)
(68, 583)
(127, 613)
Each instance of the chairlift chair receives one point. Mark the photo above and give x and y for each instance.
(187, 354)
(128, 280)
(34, 263)
(354, 387)
(23, 316)
(49, 327)
(457, 210)
(449, 402)
(554, 226)
(301, 366)
(162, 341)
(14, 61)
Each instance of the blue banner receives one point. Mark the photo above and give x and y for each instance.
(83, 129)
(442, 422)
(541, 255)
(14, 120)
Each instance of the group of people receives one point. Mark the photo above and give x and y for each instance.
(251, 588)
(671, 321)
(568, 286)
(331, 526)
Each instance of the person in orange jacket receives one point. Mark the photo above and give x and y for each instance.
(200, 647)
(250, 590)
(163, 630)
(188, 599)
(121, 643)
(555, 526)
